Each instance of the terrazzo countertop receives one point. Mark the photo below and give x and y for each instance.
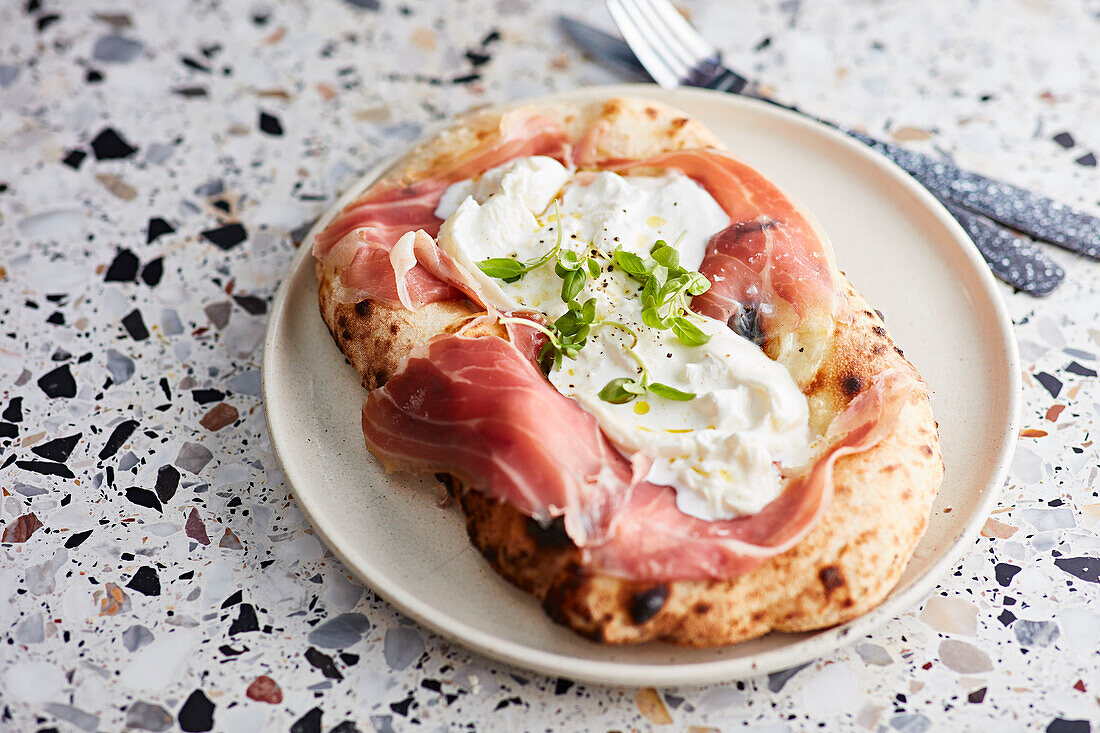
(158, 164)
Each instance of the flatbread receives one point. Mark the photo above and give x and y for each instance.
(843, 568)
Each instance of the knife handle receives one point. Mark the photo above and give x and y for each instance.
(1013, 259)
(1037, 216)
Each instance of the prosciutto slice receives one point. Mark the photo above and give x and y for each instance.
(655, 541)
(771, 251)
(477, 408)
(358, 241)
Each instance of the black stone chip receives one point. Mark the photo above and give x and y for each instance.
(124, 267)
(226, 237)
(1080, 370)
(1064, 139)
(402, 707)
(976, 696)
(135, 325)
(143, 497)
(58, 449)
(233, 599)
(145, 581)
(57, 318)
(58, 383)
(206, 396)
(76, 539)
(93, 76)
(168, 479)
(74, 158)
(1006, 617)
(46, 468)
(323, 662)
(8, 430)
(246, 621)
(193, 64)
(1085, 568)
(1061, 725)
(252, 304)
(119, 436)
(157, 227)
(308, 723)
(197, 713)
(152, 272)
(1005, 573)
(14, 411)
(1088, 160)
(1050, 382)
(477, 59)
(43, 22)
(109, 145)
(270, 124)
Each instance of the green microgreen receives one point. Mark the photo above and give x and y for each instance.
(510, 270)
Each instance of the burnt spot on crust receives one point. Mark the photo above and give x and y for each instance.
(342, 322)
(564, 602)
(394, 329)
(679, 122)
(879, 331)
(345, 335)
(651, 113)
(362, 308)
(647, 603)
(701, 608)
(891, 468)
(832, 579)
(552, 534)
(926, 450)
(851, 385)
(380, 378)
(878, 349)
(448, 482)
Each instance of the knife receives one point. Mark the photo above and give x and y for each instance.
(1012, 259)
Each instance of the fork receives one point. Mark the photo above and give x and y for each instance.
(675, 54)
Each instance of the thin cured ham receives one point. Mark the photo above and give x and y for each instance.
(655, 542)
(358, 241)
(477, 408)
(771, 253)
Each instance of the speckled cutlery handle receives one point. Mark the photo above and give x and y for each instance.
(1037, 216)
(1013, 259)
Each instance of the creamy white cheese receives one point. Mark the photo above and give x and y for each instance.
(720, 450)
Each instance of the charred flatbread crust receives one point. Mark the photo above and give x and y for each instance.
(843, 568)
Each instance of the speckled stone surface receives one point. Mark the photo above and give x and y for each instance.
(157, 163)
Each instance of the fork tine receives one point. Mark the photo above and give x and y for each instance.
(683, 32)
(662, 37)
(649, 53)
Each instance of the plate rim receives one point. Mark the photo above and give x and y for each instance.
(820, 642)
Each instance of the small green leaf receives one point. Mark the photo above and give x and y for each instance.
(593, 268)
(619, 391)
(699, 283)
(630, 263)
(667, 256)
(502, 267)
(670, 393)
(571, 284)
(653, 318)
(689, 333)
(588, 311)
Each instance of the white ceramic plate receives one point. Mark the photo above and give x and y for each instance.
(896, 244)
